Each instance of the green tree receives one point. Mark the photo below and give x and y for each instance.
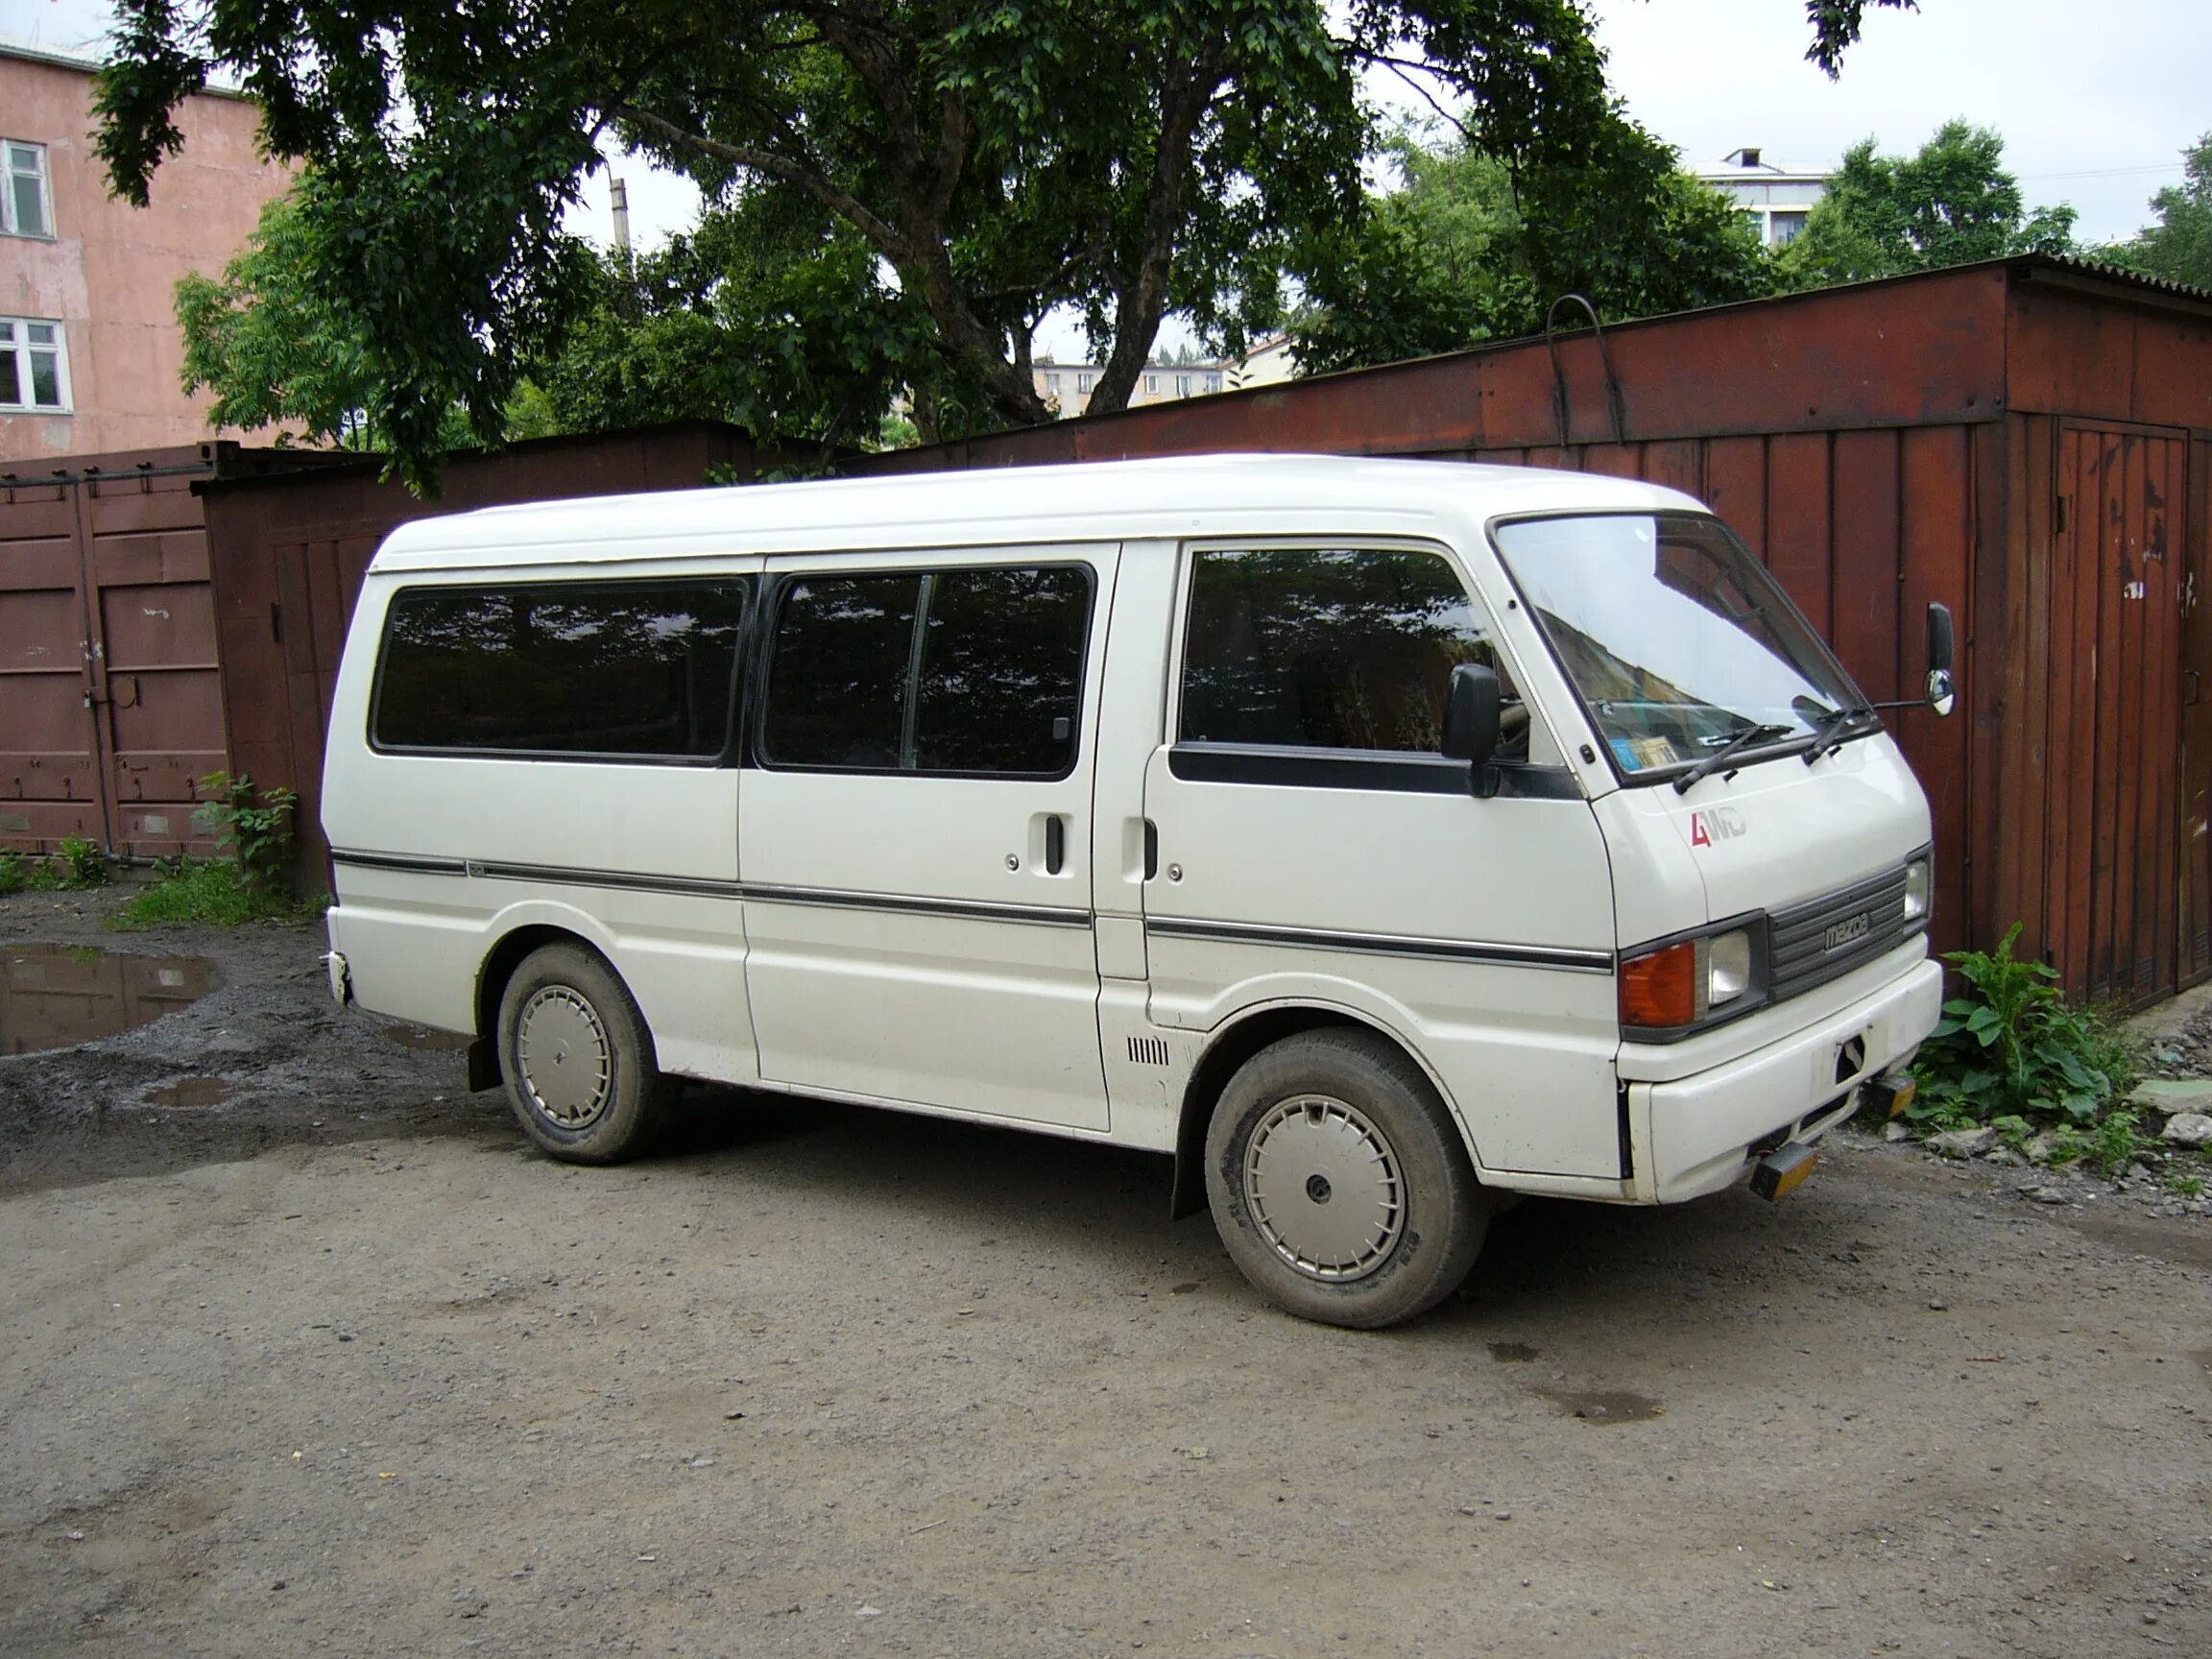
(272, 351)
(997, 159)
(2179, 247)
(1950, 203)
(1470, 247)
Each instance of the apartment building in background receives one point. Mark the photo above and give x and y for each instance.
(1067, 386)
(90, 351)
(1777, 197)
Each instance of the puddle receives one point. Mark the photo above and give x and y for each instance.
(1513, 1353)
(190, 1091)
(423, 1037)
(1605, 1404)
(55, 996)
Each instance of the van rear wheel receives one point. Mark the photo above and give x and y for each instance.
(578, 1058)
(1338, 1181)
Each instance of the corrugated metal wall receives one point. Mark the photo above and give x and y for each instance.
(111, 700)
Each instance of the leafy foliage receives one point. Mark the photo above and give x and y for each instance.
(2179, 247)
(984, 162)
(1950, 203)
(1474, 246)
(83, 864)
(253, 826)
(2012, 1049)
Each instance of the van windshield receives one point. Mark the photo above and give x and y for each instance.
(1677, 640)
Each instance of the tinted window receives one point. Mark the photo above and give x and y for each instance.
(990, 680)
(579, 669)
(837, 679)
(1002, 671)
(1326, 648)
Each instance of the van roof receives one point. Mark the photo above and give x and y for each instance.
(1119, 501)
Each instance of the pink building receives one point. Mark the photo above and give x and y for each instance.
(91, 352)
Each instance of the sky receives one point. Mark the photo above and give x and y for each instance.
(2096, 99)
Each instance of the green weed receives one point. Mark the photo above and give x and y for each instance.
(253, 826)
(83, 864)
(2012, 1047)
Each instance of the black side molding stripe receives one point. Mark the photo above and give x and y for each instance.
(707, 887)
(1384, 944)
(1042, 915)
(399, 861)
(698, 886)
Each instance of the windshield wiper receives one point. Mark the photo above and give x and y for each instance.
(1833, 728)
(1727, 752)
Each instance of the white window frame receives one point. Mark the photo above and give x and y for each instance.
(8, 177)
(18, 345)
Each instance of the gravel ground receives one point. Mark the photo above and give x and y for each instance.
(333, 1362)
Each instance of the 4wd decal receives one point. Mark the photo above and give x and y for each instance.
(1720, 823)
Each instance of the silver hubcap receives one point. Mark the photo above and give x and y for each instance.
(1324, 1187)
(563, 1053)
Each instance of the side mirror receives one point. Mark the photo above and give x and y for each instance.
(1471, 714)
(1942, 695)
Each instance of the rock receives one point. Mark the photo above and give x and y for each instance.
(2038, 1150)
(2188, 1129)
(2003, 1155)
(1896, 1131)
(1962, 1142)
(2047, 1195)
(2173, 1095)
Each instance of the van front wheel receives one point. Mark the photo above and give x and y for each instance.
(1338, 1181)
(578, 1058)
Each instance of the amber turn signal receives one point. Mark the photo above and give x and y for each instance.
(1661, 989)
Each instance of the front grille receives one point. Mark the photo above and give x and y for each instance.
(1825, 939)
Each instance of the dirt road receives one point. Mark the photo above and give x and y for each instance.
(328, 1363)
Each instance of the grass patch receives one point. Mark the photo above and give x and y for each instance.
(210, 893)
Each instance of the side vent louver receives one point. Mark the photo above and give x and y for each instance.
(1148, 1050)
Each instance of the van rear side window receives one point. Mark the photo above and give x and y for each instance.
(977, 671)
(625, 670)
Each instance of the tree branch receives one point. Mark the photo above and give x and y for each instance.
(855, 212)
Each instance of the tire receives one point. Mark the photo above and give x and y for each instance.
(577, 1059)
(1339, 1182)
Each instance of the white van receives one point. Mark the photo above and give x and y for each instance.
(1376, 837)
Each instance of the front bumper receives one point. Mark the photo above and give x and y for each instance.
(1699, 1134)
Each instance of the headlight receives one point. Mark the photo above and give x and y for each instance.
(1727, 967)
(1681, 984)
(1916, 891)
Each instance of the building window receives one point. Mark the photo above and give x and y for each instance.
(1052, 385)
(1151, 385)
(33, 365)
(1083, 383)
(27, 210)
(1786, 227)
(1214, 380)
(1182, 385)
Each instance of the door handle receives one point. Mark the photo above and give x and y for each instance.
(1055, 844)
(1152, 850)
(2191, 687)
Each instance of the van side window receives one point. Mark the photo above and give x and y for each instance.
(620, 669)
(1001, 680)
(837, 682)
(1324, 647)
(965, 670)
